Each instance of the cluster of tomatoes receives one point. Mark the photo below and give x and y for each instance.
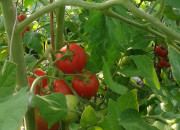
(20, 18)
(71, 60)
(162, 52)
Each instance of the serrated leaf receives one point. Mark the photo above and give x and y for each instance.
(130, 71)
(126, 101)
(146, 68)
(107, 34)
(115, 87)
(13, 110)
(33, 40)
(174, 55)
(7, 79)
(51, 107)
(131, 120)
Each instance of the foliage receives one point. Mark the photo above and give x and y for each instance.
(121, 39)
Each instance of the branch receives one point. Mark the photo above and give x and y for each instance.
(112, 14)
(173, 35)
(60, 3)
(59, 41)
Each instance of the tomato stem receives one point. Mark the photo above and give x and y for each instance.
(38, 62)
(38, 79)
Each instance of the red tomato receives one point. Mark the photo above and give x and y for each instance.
(61, 87)
(161, 51)
(38, 72)
(159, 65)
(28, 28)
(42, 125)
(167, 65)
(22, 17)
(88, 89)
(19, 19)
(78, 62)
(164, 62)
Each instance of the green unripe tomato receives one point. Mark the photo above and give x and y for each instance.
(126, 60)
(72, 102)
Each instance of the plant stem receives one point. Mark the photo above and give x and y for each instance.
(160, 10)
(8, 9)
(52, 27)
(59, 42)
(37, 80)
(171, 34)
(9, 14)
(29, 122)
(104, 6)
(38, 62)
(112, 14)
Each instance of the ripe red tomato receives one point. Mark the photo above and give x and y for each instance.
(41, 124)
(61, 87)
(161, 51)
(22, 16)
(38, 72)
(164, 62)
(28, 28)
(19, 19)
(167, 65)
(88, 89)
(78, 62)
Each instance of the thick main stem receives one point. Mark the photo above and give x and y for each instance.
(17, 52)
(9, 14)
(59, 42)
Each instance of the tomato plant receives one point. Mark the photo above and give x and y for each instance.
(75, 61)
(107, 64)
(88, 88)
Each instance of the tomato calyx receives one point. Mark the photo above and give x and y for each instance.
(85, 76)
(66, 55)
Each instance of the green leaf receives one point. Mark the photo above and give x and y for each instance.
(30, 61)
(28, 3)
(175, 63)
(146, 68)
(115, 87)
(131, 120)
(13, 110)
(173, 3)
(126, 101)
(170, 13)
(109, 37)
(88, 117)
(51, 107)
(7, 79)
(33, 40)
